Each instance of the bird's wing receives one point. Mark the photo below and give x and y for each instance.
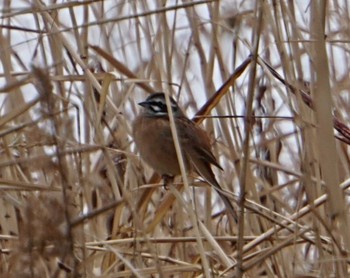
(196, 142)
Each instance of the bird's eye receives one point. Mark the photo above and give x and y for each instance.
(158, 107)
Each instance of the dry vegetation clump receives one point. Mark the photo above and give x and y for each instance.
(269, 81)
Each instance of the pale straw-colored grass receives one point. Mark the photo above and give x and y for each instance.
(269, 82)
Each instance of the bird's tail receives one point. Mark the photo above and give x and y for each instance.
(204, 170)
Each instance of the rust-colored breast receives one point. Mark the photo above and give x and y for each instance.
(154, 141)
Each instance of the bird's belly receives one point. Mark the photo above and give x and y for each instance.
(157, 150)
(162, 159)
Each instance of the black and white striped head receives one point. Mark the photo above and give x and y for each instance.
(155, 105)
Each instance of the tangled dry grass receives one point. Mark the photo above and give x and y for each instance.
(269, 80)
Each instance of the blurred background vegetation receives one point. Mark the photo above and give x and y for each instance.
(268, 80)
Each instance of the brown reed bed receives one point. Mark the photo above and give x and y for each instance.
(267, 79)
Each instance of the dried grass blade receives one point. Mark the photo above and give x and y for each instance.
(214, 100)
(120, 67)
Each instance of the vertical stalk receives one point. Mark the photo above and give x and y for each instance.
(247, 131)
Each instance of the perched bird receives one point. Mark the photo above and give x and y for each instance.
(153, 138)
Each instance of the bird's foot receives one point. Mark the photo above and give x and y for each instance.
(167, 180)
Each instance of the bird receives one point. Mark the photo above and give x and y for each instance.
(154, 140)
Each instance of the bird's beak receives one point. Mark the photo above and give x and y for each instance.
(143, 103)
